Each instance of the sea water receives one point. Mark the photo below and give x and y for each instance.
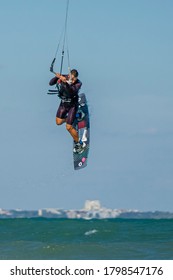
(72, 239)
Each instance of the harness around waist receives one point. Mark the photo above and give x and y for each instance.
(66, 100)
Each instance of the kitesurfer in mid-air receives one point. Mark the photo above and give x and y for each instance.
(68, 89)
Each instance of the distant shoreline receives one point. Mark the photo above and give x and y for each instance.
(98, 214)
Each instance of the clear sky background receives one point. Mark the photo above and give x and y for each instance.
(123, 50)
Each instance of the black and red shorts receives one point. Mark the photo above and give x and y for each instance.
(67, 111)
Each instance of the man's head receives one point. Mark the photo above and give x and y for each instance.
(74, 75)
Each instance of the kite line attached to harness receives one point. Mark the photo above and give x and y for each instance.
(63, 37)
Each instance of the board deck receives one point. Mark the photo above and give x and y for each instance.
(82, 125)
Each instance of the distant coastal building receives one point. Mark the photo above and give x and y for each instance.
(40, 212)
(92, 205)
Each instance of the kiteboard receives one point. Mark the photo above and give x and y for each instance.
(82, 125)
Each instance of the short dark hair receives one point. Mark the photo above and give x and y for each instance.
(74, 72)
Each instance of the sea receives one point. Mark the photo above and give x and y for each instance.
(78, 239)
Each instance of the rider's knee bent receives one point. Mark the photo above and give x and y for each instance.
(69, 127)
(58, 121)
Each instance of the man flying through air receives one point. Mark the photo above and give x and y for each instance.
(68, 89)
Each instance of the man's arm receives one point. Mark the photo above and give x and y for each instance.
(63, 78)
(57, 77)
(53, 81)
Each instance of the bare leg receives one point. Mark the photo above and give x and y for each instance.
(73, 132)
(60, 121)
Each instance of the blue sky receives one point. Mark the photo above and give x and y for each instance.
(123, 52)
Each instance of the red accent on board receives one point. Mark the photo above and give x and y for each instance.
(82, 124)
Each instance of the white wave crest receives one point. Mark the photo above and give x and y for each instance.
(90, 232)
